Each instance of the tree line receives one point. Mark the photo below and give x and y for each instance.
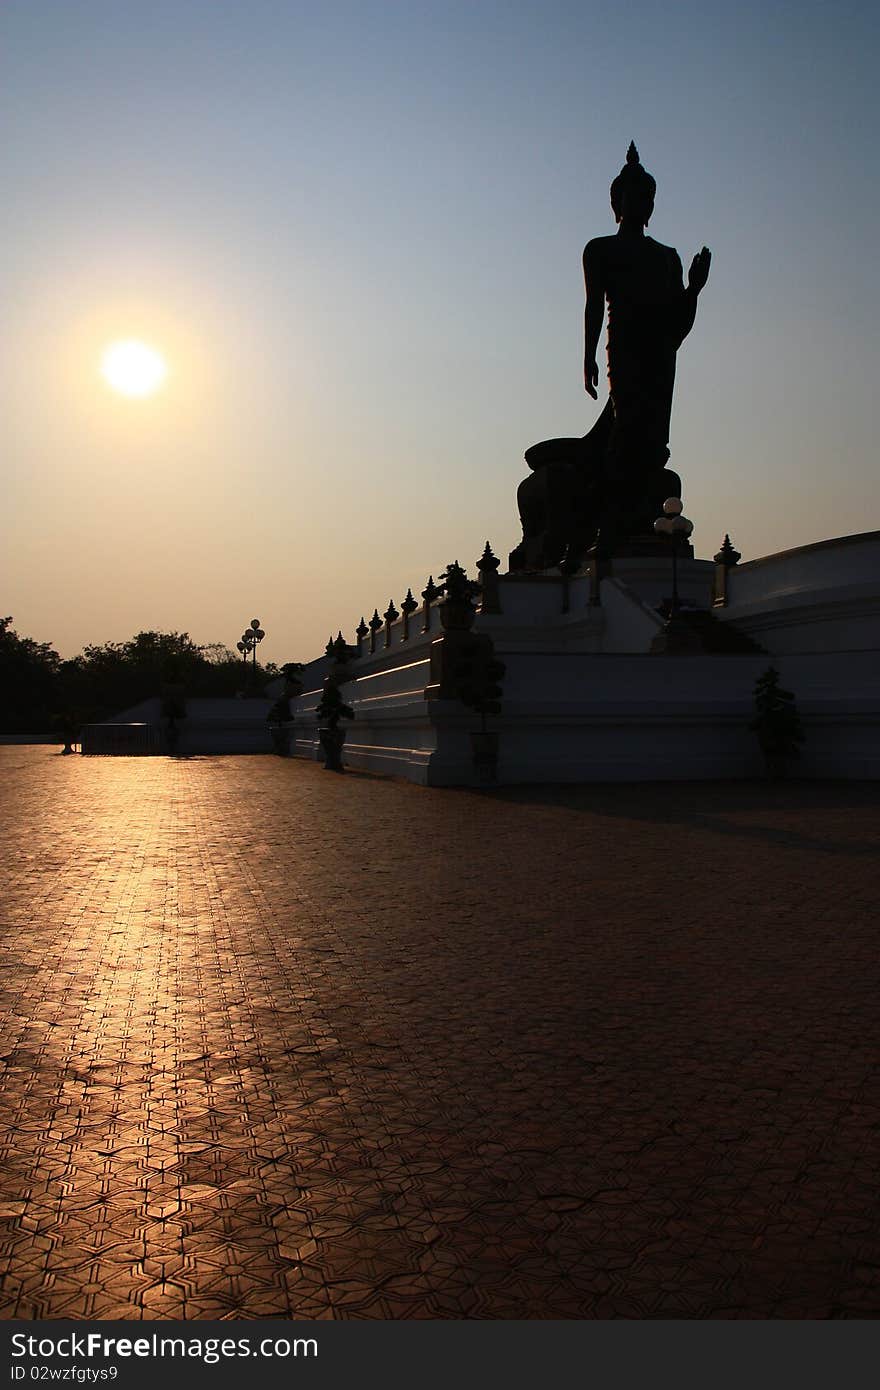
(41, 693)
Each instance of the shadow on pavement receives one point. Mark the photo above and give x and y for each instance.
(710, 806)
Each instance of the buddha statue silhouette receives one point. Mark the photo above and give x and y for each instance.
(606, 489)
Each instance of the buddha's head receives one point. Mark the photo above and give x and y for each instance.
(632, 192)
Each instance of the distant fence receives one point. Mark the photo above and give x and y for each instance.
(30, 738)
(121, 739)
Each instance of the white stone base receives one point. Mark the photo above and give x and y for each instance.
(585, 701)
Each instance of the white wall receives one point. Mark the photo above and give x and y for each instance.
(817, 598)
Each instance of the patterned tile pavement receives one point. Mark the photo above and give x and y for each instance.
(279, 1043)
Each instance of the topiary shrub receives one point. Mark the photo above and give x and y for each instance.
(776, 723)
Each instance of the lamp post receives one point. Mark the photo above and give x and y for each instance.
(248, 644)
(677, 528)
(677, 635)
(255, 634)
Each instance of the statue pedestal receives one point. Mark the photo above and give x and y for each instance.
(677, 638)
(651, 546)
(592, 693)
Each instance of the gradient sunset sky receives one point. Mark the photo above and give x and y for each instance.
(354, 230)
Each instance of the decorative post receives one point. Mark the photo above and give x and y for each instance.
(328, 650)
(391, 616)
(408, 606)
(360, 633)
(375, 625)
(429, 594)
(487, 568)
(725, 561)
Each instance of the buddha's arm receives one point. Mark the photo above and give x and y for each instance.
(594, 313)
(697, 277)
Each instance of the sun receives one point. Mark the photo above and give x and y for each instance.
(133, 368)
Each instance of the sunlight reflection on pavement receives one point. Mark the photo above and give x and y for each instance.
(278, 1043)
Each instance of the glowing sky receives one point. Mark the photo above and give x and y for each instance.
(354, 232)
